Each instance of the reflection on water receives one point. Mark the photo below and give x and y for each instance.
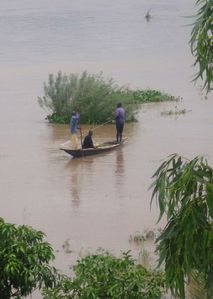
(119, 173)
(119, 163)
(75, 174)
(75, 189)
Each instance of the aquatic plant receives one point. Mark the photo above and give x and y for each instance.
(103, 275)
(137, 238)
(93, 96)
(151, 96)
(174, 112)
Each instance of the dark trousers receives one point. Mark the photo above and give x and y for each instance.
(119, 129)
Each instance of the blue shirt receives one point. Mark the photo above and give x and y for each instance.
(74, 123)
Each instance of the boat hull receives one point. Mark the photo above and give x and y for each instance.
(105, 147)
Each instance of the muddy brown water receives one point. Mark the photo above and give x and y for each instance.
(100, 201)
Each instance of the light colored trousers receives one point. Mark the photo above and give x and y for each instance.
(74, 140)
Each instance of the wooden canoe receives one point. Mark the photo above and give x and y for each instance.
(102, 148)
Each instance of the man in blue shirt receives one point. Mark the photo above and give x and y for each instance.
(74, 129)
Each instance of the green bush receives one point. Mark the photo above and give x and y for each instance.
(105, 276)
(94, 97)
(24, 261)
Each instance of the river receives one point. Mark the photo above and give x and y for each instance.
(96, 201)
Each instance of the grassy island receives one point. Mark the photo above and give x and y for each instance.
(94, 97)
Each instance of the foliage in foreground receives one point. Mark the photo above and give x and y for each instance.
(24, 261)
(202, 42)
(94, 97)
(184, 191)
(105, 276)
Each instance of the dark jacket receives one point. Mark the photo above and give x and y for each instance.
(88, 143)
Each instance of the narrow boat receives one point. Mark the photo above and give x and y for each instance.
(102, 148)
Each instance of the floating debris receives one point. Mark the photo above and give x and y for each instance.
(148, 15)
(66, 246)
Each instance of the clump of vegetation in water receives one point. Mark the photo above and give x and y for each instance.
(106, 276)
(141, 237)
(174, 112)
(137, 238)
(94, 97)
(151, 96)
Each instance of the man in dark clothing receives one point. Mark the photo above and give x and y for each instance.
(88, 143)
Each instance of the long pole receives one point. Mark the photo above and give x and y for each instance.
(81, 137)
(102, 124)
(82, 152)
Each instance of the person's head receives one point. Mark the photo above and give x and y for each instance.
(119, 105)
(90, 132)
(73, 113)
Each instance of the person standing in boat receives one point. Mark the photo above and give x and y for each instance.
(119, 121)
(88, 142)
(74, 129)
